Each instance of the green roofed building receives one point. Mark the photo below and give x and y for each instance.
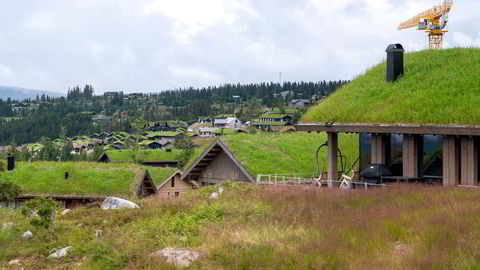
(425, 126)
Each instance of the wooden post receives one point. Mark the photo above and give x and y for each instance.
(412, 155)
(469, 161)
(332, 158)
(378, 148)
(451, 161)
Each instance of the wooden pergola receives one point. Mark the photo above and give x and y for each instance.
(460, 147)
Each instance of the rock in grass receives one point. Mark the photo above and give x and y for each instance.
(117, 203)
(15, 262)
(98, 233)
(60, 253)
(178, 257)
(27, 235)
(8, 225)
(66, 211)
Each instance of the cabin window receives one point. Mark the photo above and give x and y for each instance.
(177, 194)
(173, 182)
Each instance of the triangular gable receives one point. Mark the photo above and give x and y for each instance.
(104, 158)
(146, 186)
(227, 151)
(168, 180)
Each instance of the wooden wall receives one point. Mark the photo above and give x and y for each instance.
(221, 169)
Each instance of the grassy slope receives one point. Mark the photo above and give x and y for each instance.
(84, 178)
(269, 153)
(272, 228)
(440, 87)
(145, 155)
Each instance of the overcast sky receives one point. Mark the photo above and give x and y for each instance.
(152, 45)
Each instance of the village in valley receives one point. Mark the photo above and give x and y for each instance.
(379, 171)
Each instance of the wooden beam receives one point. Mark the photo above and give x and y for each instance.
(378, 148)
(391, 129)
(451, 161)
(469, 161)
(332, 157)
(412, 155)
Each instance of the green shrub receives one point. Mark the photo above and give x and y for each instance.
(45, 209)
(9, 191)
(2, 166)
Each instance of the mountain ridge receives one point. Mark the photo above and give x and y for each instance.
(19, 93)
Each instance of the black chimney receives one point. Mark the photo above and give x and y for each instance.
(10, 162)
(394, 62)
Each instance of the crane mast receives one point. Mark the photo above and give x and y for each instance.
(433, 22)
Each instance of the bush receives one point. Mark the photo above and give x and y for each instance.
(9, 191)
(45, 209)
(2, 166)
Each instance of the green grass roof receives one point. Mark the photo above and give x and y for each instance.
(270, 123)
(439, 87)
(163, 134)
(283, 153)
(273, 115)
(129, 155)
(85, 178)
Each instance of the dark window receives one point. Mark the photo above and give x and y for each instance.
(173, 182)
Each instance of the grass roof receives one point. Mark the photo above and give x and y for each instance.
(129, 155)
(85, 178)
(439, 87)
(284, 153)
(163, 134)
(273, 115)
(270, 123)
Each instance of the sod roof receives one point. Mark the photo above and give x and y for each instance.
(440, 87)
(283, 153)
(85, 178)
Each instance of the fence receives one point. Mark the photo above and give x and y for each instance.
(310, 179)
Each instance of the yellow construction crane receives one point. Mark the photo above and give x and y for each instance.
(433, 21)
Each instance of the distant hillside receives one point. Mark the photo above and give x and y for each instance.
(18, 93)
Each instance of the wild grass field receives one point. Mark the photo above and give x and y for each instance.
(85, 178)
(439, 87)
(258, 227)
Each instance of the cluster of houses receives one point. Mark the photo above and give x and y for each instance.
(228, 124)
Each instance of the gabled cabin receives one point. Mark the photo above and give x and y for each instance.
(174, 186)
(146, 186)
(104, 158)
(216, 165)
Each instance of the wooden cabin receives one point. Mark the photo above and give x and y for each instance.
(174, 187)
(216, 165)
(146, 186)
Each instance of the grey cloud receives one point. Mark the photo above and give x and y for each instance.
(116, 45)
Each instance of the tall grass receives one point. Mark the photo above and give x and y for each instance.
(253, 227)
(439, 87)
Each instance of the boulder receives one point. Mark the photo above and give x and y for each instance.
(98, 233)
(15, 262)
(27, 235)
(60, 253)
(8, 225)
(178, 257)
(66, 211)
(117, 203)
